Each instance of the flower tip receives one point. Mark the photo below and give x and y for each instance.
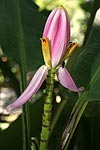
(61, 7)
(81, 89)
(9, 108)
(76, 44)
(44, 40)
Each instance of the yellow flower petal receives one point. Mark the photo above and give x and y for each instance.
(70, 49)
(46, 48)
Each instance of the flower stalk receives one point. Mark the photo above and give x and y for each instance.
(46, 118)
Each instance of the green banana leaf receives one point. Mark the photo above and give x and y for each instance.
(32, 23)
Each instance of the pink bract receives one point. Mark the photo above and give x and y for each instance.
(32, 88)
(57, 30)
(66, 80)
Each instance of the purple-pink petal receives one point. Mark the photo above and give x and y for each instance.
(31, 89)
(48, 23)
(66, 80)
(62, 38)
(57, 30)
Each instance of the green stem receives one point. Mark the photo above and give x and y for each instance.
(57, 114)
(22, 60)
(45, 133)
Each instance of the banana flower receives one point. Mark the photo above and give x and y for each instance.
(56, 48)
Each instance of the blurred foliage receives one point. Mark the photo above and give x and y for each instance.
(83, 65)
